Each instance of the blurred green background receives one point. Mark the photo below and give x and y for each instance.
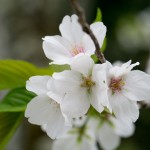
(23, 23)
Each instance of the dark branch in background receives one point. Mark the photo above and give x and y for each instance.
(86, 28)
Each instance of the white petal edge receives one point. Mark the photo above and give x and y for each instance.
(123, 128)
(137, 86)
(75, 104)
(71, 29)
(43, 111)
(83, 64)
(37, 84)
(57, 49)
(107, 138)
(99, 30)
(123, 108)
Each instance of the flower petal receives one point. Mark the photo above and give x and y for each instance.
(124, 69)
(88, 45)
(65, 81)
(43, 111)
(126, 65)
(70, 142)
(87, 144)
(57, 49)
(65, 143)
(95, 100)
(123, 108)
(99, 30)
(62, 83)
(99, 94)
(137, 86)
(71, 29)
(38, 109)
(123, 128)
(56, 125)
(75, 104)
(83, 64)
(38, 84)
(53, 92)
(107, 138)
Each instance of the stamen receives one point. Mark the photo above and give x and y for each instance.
(87, 83)
(116, 85)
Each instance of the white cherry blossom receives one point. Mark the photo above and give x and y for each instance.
(73, 41)
(109, 131)
(76, 140)
(70, 142)
(79, 87)
(126, 87)
(44, 111)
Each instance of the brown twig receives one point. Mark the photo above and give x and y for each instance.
(79, 11)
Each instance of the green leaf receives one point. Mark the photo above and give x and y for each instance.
(16, 100)
(45, 71)
(94, 57)
(9, 122)
(59, 68)
(14, 73)
(98, 15)
(104, 45)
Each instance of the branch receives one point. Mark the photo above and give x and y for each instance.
(86, 28)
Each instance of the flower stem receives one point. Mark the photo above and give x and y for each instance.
(79, 11)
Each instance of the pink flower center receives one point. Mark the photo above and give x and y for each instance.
(116, 85)
(77, 50)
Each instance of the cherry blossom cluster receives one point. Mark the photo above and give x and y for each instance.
(89, 102)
